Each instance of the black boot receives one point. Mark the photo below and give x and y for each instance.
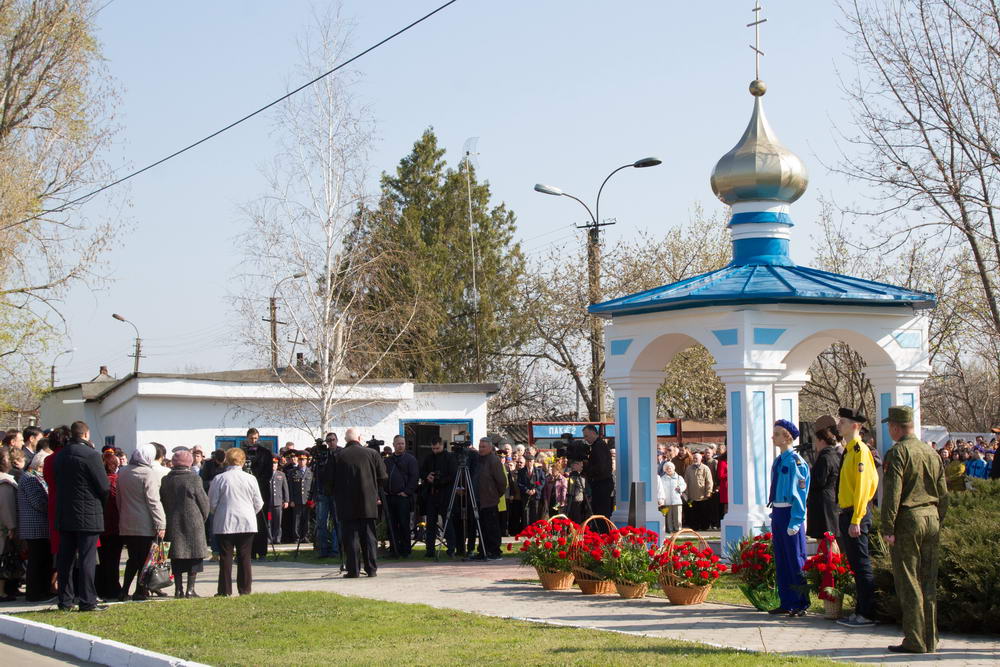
(178, 585)
(190, 587)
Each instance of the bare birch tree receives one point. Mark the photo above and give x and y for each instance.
(296, 247)
(926, 143)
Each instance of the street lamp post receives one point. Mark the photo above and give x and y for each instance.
(594, 278)
(273, 316)
(138, 342)
(52, 369)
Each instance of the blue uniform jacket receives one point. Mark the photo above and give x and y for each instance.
(790, 484)
(976, 468)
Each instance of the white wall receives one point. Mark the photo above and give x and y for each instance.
(192, 421)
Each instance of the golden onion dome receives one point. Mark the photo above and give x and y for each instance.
(759, 167)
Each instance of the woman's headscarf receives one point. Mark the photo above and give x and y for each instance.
(110, 462)
(182, 457)
(144, 455)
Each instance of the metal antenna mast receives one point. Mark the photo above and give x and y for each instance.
(469, 155)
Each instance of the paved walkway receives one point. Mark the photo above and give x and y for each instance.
(492, 589)
(21, 654)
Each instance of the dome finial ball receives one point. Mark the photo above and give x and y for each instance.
(757, 88)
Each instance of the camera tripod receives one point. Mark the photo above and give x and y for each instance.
(463, 482)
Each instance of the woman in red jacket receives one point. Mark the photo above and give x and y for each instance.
(109, 552)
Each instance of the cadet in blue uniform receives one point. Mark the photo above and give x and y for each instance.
(789, 489)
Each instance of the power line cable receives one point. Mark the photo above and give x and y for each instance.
(231, 125)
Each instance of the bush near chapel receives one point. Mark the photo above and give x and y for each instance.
(968, 588)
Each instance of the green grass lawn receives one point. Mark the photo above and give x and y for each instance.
(325, 628)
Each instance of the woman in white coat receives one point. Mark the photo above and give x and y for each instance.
(234, 500)
(670, 488)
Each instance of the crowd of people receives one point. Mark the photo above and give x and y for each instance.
(71, 512)
(692, 487)
(968, 459)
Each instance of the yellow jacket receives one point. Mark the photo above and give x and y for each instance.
(858, 479)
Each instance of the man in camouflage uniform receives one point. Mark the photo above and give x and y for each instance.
(914, 501)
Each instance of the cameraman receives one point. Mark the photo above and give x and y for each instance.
(438, 476)
(324, 456)
(598, 472)
(258, 464)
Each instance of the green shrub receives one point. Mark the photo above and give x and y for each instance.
(968, 577)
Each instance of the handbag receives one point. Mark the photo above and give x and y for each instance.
(11, 565)
(156, 573)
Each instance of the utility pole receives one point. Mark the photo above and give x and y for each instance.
(273, 319)
(596, 324)
(137, 354)
(52, 377)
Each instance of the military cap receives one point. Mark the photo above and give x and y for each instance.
(853, 415)
(900, 414)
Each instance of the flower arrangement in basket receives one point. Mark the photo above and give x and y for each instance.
(586, 554)
(752, 560)
(830, 575)
(688, 570)
(627, 559)
(545, 546)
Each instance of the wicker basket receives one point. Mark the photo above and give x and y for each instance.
(833, 610)
(632, 591)
(590, 582)
(555, 581)
(590, 586)
(683, 594)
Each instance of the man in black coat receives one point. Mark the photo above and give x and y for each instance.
(822, 508)
(438, 477)
(401, 488)
(358, 473)
(599, 474)
(259, 461)
(83, 491)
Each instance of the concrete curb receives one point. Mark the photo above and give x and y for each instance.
(82, 646)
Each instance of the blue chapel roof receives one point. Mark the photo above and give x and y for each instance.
(764, 283)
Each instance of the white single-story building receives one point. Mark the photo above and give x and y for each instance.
(214, 410)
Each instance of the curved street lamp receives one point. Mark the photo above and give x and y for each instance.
(594, 273)
(273, 316)
(138, 341)
(52, 369)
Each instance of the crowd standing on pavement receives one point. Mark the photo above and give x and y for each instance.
(70, 510)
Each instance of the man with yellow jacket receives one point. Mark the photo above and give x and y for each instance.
(858, 483)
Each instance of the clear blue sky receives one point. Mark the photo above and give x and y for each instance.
(558, 91)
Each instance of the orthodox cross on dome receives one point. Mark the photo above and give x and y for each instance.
(755, 47)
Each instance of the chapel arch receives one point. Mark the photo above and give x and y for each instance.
(662, 349)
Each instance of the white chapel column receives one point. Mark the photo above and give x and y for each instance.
(749, 424)
(635, 443)
(894, 387)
